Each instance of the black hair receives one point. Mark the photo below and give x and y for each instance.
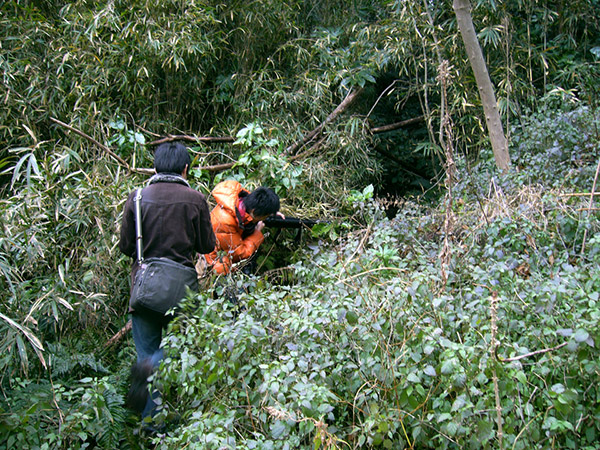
(262, 201)
(171, 157)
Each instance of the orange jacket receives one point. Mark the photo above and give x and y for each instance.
(230, 247)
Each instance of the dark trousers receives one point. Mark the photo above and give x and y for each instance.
(147, 327)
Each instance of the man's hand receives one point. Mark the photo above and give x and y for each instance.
(280, 214)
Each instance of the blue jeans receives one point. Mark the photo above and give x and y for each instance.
(147, 327)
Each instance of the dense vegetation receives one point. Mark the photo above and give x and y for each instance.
(461, 312)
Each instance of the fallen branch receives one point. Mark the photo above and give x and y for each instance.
(218, 167)
(527, 355)
(141, 170)
(225, 139)
(292, 149)
(395, 126)
(94, 141)
(316, 146)
(185, 137)
(119, 335)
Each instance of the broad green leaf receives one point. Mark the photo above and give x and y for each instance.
(581, 335)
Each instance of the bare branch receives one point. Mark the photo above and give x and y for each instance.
(527, 355)
(94, 141)
(185, 137)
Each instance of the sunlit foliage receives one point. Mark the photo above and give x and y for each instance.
(266, 72)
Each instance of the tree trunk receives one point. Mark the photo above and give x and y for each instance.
(462, 9)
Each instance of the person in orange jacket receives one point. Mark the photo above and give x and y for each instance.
(237, 221)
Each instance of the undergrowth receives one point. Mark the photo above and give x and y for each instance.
(367, 342)
(368, 345)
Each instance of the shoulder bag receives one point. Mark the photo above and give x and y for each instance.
(160, 283)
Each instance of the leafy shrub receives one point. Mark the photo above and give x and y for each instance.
(368, 349)
(561, 142)
(370, 346)
(366, 344)
(87, 413)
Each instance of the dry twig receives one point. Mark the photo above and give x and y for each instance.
(527, 355)
(493, 347)
(445, 255)
(590, 206)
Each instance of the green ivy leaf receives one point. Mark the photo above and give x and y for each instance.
(447, 367)
(212, 378)
(485, 431)
(278, 429)
(581, 335)
(429, 370)
(352, 317)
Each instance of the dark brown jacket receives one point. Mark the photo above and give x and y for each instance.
(175, 224)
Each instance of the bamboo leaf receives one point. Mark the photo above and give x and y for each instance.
(22, 353)
(65, 303)
(26, 331)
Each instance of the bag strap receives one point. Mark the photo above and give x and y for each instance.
(139, 243)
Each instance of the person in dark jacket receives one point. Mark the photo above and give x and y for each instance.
(175, 225)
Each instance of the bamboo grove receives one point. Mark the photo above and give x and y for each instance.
(409, 320)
